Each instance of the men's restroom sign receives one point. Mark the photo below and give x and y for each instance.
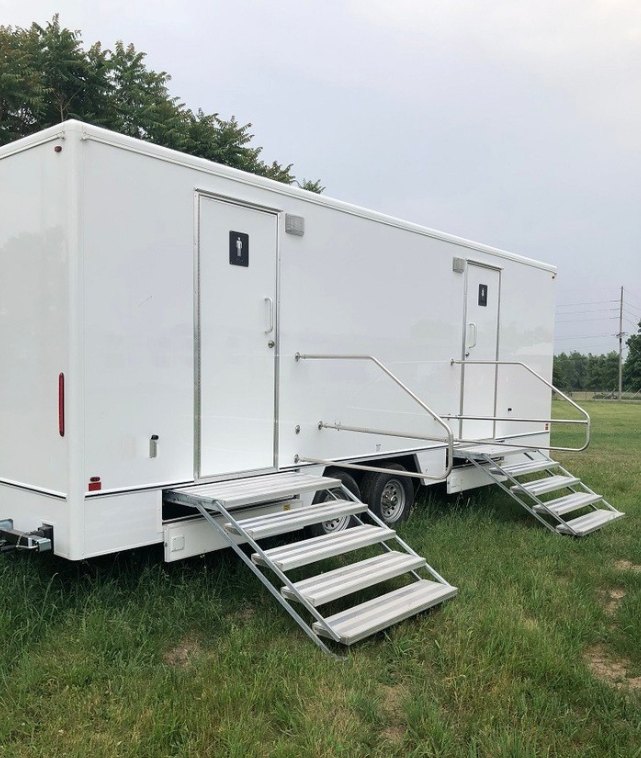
(238, 249)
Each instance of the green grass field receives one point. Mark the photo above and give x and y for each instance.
(539, 655)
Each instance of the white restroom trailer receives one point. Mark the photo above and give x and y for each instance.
(154, 308)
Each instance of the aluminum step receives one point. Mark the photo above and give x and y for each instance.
(480, 452)
(288, 557)
(357, 576)
(569, 503)
(282, 522)
(520, 469)
(370, 617)
(257, 489)
(589, 523)
(549, 484)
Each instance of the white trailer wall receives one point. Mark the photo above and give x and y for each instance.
(98, 245)
(34, 317)
(349, 285)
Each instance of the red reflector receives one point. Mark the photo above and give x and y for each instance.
(61, 404)
(94, 484)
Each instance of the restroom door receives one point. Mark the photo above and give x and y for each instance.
(236, 334)
(481, 343)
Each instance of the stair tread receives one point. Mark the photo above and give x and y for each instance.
(590, 522)
(281, 522)
(569, 503)
(304, 552)
(357, 576)
(547, 484)
(481, 451)
(529, 467)
(374, 615)
(256, 489)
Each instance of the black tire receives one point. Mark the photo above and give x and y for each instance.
(339, 525)
(390, 497)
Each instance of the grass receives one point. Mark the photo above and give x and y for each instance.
(126, 656)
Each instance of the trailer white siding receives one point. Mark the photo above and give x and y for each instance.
(34, 316)
(116, 272)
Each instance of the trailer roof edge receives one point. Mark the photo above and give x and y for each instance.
(89, 132)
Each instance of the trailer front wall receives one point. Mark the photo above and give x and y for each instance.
(34, 317)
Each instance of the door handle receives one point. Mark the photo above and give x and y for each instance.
(471, 327)
(270, 315)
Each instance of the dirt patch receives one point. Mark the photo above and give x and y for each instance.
(394, 734)
(392, 707)
(612, 600)
(612, 671)
(180, 655)
(246, 613)
(624, 565)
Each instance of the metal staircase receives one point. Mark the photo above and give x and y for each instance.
(221, 506)
(564, 493)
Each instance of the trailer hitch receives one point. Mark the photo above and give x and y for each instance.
(40, 540)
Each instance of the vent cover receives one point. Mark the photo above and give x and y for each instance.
(294, 225)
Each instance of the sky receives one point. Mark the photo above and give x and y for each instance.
(516, 123)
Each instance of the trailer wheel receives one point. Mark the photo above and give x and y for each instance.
(338, 524)
(389, 496)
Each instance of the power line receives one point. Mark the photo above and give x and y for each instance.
(594, 302)
(586, 337)
(581, 320)
(578, 313)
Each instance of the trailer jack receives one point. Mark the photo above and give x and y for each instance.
(39, 540)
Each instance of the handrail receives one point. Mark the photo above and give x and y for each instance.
(448, 439)
(582, 422)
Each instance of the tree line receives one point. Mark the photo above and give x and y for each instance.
(599, 373)
(47, 76)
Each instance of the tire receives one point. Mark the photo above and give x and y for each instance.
(390, 497)
(339, 524)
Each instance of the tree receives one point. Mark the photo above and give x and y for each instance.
(47, 76)
(632, 367)
(586, 372)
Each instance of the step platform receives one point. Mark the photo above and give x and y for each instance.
(521, 469)
(362, 620)
(272, 524)
(297, 554)
(548, 484)
(568, 503)
(357, 576)
(251, 491)
(583, 525)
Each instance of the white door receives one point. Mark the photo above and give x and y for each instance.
(481, 344)
(236, 336)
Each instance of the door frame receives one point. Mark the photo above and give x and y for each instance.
(499, 269)
(199, 195)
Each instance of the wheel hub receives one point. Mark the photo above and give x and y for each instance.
(392, 500)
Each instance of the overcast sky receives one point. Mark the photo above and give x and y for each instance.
(517, 124)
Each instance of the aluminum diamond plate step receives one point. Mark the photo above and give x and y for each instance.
(589, 523)
(257, 489)
(549, 484)
(270, 524)
(287, 557)
(569, 503)
(370, 617)
(357, 576)
(520, 469)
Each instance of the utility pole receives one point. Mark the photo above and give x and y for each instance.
(620, 336)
